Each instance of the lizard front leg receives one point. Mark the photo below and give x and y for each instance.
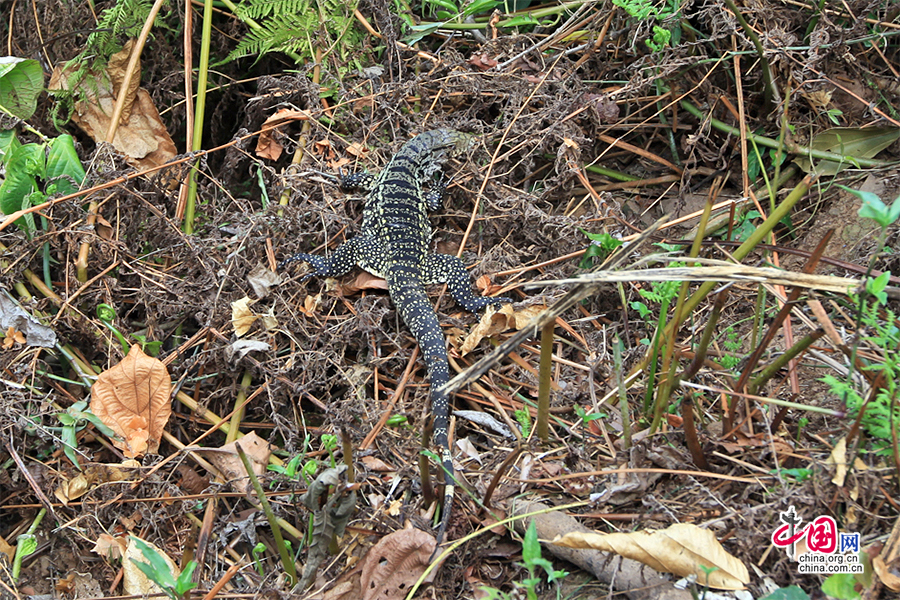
(342, 261)
(446, 268)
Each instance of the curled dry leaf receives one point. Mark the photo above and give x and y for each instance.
(364, 281)
(502, 320)
(268, 145)
(226, 459)
(395, 563)
(242, 318)
(93, 476)
(681, 549)
(132, 398)
(141, 136)
(109, 546)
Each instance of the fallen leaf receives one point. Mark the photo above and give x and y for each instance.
(262, 279)
(393, 565)
(364, 281)
(851, 142)
(226, 459)
(132, 398)
(242, 318)
(109, 546)
(376, 464)
(267, 146)
(12, 316)
(133, 580)
(92, 476)
(115, 68)
(494, 322)
(241, 348)
(682, 549)
(310, 304)
(358, 150)
(141, 135)
(838, 458)
(482, 62)
(888, 578)
(9, 551)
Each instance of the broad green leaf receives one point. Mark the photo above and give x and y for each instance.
(850, 142)
(480, 6)
(21, 82)
(63, 165)
(158, 569)
(8, 144)
(840, 586)
(25, 163)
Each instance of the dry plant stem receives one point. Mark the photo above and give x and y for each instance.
(501, 472)
(624, 413)
(347, 450)
(286, 559)
(300, 150)
(768, 87)
(214, 590)
(690, 432)
(543, 409)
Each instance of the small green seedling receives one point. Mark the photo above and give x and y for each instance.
(74, 420)
(157, 570)
(532, 560)
(257, 551)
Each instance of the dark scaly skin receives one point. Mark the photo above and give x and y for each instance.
(393, 244)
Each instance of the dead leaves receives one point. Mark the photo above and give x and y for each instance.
(502, 320)
(683, 549)
(141, 135)
(226, 459)
(132, 399)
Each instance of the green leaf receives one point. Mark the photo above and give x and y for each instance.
(26, 544)
(21, 82)
(840, 586)
(69, 444)
(63, 165)
(184, 583)
(8, 144)
(531, 547)
(480, 6)
(850, 142)
(793, 592)
(25, 163)
(520, 21)
(156, 568)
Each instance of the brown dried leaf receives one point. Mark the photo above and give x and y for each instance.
(681, 549)
(364, 281)
(132, 398)
(502, 320)
(9, 551)
(395, 563)
(311, 304)
(115, 68)
(141, 136)
(482, 62)
(82, 483)
(268, 146)
(889, 579)
(242, 318)
(226, 459)
(358, 150)
(109, 546)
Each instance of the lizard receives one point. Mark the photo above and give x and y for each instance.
(394, 244)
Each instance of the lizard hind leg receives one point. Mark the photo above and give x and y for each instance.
(446, 268)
